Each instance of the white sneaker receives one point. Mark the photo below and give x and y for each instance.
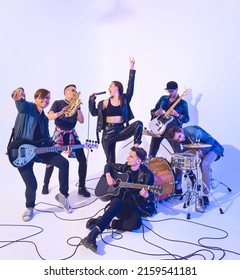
(64, 202)
(28, 214)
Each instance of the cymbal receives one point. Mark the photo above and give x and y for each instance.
(197, 146)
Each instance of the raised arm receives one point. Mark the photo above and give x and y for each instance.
(18, 94)
(131, 80)
(132, 63)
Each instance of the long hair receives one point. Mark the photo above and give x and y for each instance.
(119, 86)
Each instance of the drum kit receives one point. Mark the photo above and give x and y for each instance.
(193, 194)
(189, 163)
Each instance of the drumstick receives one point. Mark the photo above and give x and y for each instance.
(190, 138)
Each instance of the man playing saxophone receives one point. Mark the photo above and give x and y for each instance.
(66, 113)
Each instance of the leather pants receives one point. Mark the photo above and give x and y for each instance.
(114, 133)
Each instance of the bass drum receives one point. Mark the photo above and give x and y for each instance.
(163, 176)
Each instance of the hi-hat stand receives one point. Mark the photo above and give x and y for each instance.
(214, 186)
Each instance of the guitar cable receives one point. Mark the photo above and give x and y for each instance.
(203, 251)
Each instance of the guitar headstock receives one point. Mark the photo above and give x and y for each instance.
(90, 144)
(186, 91)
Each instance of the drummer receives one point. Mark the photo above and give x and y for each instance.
(209, 150)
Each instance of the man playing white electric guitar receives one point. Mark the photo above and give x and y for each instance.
(170, 110)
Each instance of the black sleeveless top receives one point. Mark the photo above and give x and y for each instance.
(112, 111)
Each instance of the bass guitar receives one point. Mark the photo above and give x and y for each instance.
(105, 192)
(21, 152)
(159, 124)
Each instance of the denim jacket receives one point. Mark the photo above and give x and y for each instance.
(125, 100)
(27, 119)
(196, 134)
(181, 108)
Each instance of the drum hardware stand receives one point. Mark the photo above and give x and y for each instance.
(218, 183)
(209, 191)
(190, 183)
(194, 193)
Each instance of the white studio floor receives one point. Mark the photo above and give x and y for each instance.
(55, 235)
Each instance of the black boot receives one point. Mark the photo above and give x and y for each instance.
(82, 191)
(45, 189)
(90, 240)
(91, 223)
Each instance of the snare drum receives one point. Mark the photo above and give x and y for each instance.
(184, 161)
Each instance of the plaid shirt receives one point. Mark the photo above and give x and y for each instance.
(58, 137)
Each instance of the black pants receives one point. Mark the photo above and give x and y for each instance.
(114, 133)
(128, 216)
(176, 146)
(30, 181)
(82, 168)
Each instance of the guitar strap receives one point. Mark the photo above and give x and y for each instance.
(10, 139)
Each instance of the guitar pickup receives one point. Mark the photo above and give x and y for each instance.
(22, 152)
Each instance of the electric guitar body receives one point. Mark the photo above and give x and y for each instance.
(22, 151)
(159, 124)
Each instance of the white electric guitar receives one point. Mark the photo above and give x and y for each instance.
(159, 124)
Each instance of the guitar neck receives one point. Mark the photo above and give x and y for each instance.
(43, 150)
(176, 102)
(134, 186)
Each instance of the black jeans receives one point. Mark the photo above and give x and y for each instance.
(176, 146)
(128, 216)
(82, 168)
(114, 133)
(30, 181)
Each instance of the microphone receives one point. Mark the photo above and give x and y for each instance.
(102, 92)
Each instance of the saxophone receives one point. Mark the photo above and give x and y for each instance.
(73, 105)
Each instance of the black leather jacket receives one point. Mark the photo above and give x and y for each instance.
(125, 100)
(145, 177)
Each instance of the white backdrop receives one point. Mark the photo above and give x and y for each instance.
(51, 43)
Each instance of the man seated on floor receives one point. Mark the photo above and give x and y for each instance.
(130, 204)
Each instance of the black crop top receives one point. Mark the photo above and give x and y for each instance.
(112, 111)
